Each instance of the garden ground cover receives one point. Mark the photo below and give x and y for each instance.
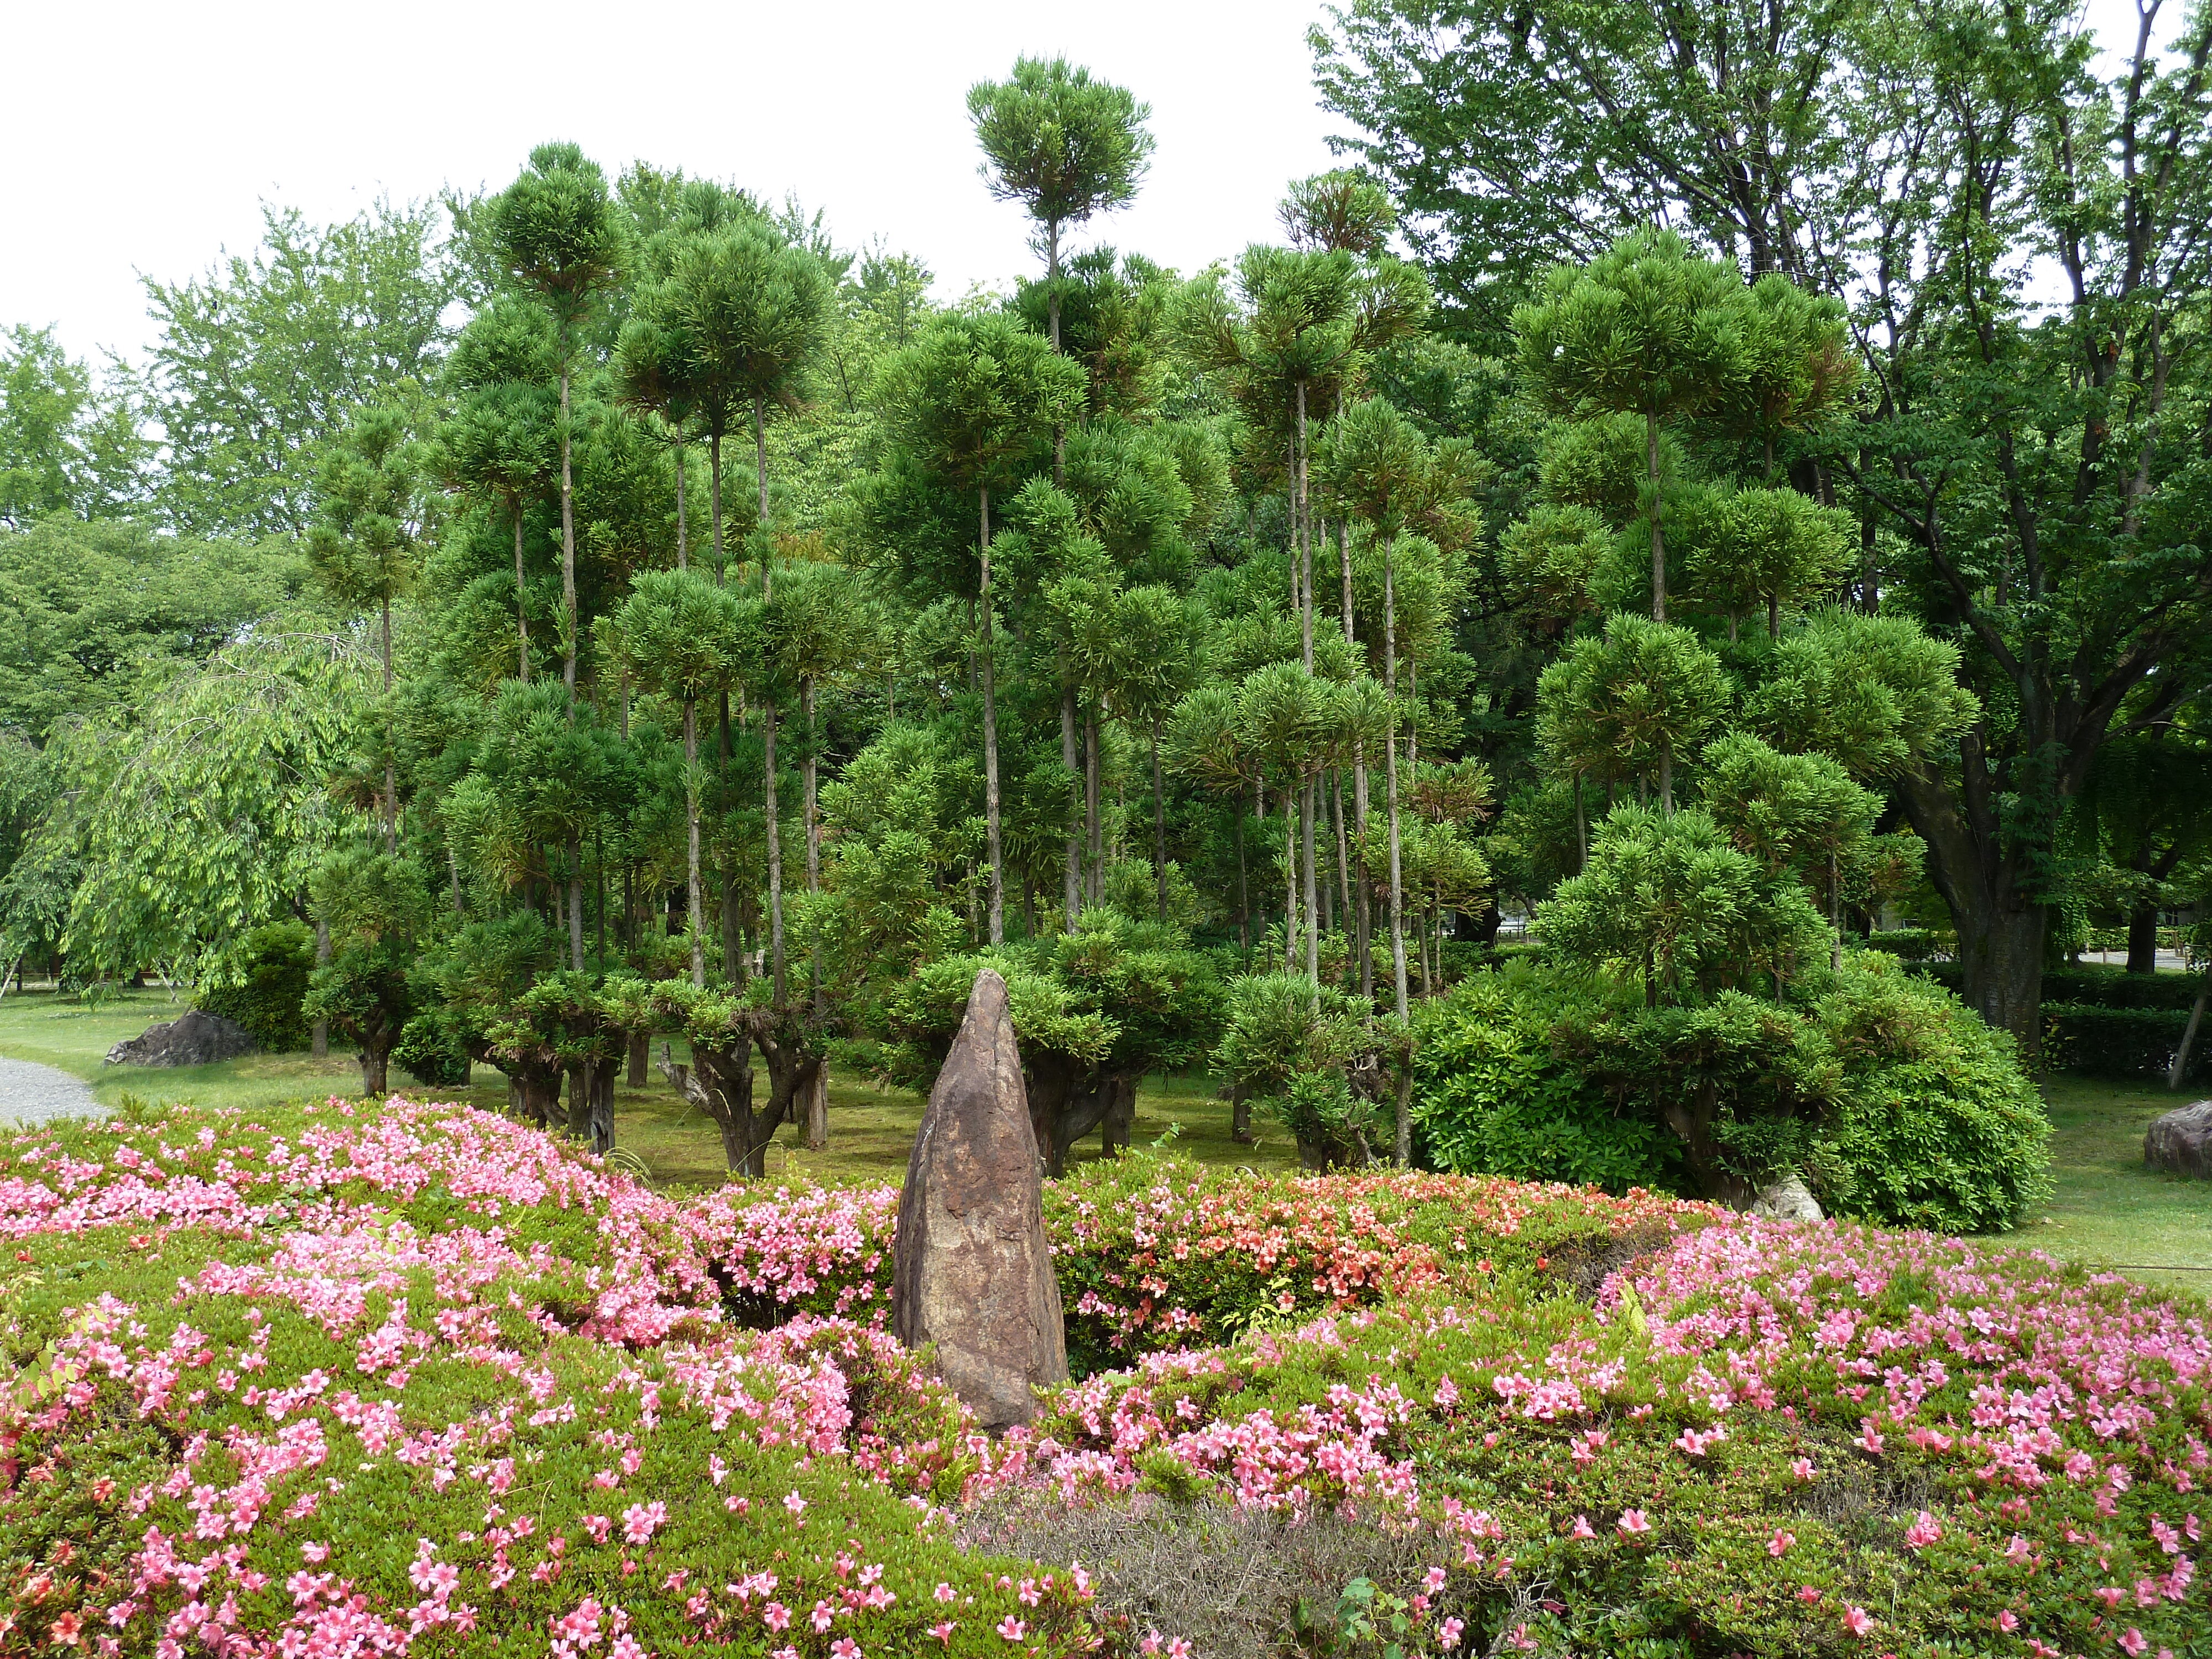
(347, 1378)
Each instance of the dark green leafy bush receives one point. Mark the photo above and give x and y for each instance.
(434, 1051)
(1492, 1094)
(276, 961)
(1934, 1125)
(1895, 1101)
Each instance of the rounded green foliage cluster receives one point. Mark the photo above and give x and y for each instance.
(1892, 1100)
(275, 961)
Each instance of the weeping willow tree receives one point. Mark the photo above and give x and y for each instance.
(200, 813)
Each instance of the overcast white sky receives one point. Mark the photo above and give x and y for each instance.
(143, 137)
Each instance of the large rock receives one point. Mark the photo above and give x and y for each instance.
(1787, 1199)
(197, 1039)
(2180, 1141)
(972, 1272)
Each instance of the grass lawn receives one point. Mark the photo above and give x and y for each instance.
(2107, 1206)
(871, 1129)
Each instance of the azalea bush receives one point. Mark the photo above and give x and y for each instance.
(413, 1379)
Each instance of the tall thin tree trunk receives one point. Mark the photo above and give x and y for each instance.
(1243, 897)
(568, 531)
(1403, 1137)
(576, 903)
(715, 500)
(1160, 824)
(1071, 876)
(1360, 865)
(998, 911)
(390, 781)
(1312, 886)
(1094, 828)
(1665, 779)
(683, 515)
(1343, 894)
(1658, 542)
(1302, 527)
(771, 811)
(521, 602)
(697, 910)
(1289, 881)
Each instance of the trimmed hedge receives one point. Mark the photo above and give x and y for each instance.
(2090, 986)
(2120, 1042)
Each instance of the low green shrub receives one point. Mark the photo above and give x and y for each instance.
(1493, 1094)
(434, 1051)
(1933, 1124)
(1895, 1101)
(1908, 943)
(2093, 985)
(276, 961)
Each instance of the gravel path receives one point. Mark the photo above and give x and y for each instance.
(35, 1094)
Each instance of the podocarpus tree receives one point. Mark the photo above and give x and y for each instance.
(376, 907)
(1648, 329)
(551, 767)
(502, 441)
(1629, 702)
(1065, 147)
(364, 544)
(685, 638)
(557, 230)
(1293, 334)
(967, 400)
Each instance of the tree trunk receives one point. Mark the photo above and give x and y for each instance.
(521, 601)
(1658, 542)
(601, 1127)
(568, 531)
(1390, 777)
(1343, 895)
(2142, 939)
(771, 811)
(697, 913)
(373, 1071)
(714, 501)
(1071, 876)
(391, 783)
(1290, 882)
(580, 1099)
(683, 537)
(1160, 824)
(2001, 962)
(1094, 831)
(997, 910)
(1243, 893)
(1312, 884)
(818, 1112)
(1302, 526)
(1362, 881)
(640, 1046)
(576, 904)
(2179, 1069)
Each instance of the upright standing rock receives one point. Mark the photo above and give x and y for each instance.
(972, 1271)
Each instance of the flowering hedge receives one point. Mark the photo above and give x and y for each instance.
(414, 1380)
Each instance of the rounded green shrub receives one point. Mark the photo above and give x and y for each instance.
(275, 961)
(1492, 1094)
(1935, 1124)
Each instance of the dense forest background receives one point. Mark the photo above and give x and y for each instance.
(1731, 488)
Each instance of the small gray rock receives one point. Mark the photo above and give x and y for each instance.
(1787, 1199)
(197, 1039)
(2179, 1142)
(971, 1270)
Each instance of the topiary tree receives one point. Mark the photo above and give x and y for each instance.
(1304, 1049)
(1645, 328)
(1626, 703)
(556, 229)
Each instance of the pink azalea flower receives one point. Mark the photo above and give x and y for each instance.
(1857, 1621)
(1632, 1522)
(1012, 1628)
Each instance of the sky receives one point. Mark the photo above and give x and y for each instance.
(155, 132)
(143, 138)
